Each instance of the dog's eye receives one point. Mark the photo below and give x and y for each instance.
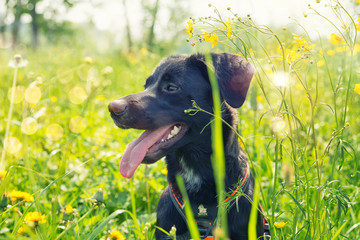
(171, 88)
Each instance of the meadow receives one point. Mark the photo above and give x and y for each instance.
(300, 127)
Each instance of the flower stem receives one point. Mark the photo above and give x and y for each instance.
(8, 124)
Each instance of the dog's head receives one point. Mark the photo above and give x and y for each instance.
(169, 91)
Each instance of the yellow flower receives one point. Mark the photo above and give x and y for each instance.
(259, 99)
(358, 1)
(69, 209)
(241, 142)
(357, 25)
(321, 63)
(280, 224)
(21, 231)
(18, 195)
(330, 52)
(292, 55)
(206, 36)
(302, 43)
(2, 174)
(116, 235)
(357, 88)
(189, 28)
(53, 99)
(192, 44)
(35, 217)
(336, 39)
(164, 171)
(214, 40)
(228, 27)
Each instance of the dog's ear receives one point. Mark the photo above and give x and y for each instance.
(234, 76)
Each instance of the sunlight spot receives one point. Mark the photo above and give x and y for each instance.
(54, 131)
(33, 94)
(77, 95)
(281, 79)
(13, 145)
(278, 124)
(19, 94)
(29, 126)
(77, 124)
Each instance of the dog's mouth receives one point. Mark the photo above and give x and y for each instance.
(150, 147)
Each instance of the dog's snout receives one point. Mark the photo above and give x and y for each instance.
(118, 107)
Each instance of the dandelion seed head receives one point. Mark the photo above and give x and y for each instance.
(18, 62)
(29, 126)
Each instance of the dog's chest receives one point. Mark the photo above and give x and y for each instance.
(192, 180)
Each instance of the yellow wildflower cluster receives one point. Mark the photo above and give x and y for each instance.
(189, 28)
(116, 235)
(228, 28)
(214, 39)
(35, 217)
(292, 55)
(302, 43)
(18, 195)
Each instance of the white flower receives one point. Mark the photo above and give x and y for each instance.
(18, 62)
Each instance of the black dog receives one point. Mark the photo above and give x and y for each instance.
(185, 140)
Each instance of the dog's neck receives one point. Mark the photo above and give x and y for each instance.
(194, 164)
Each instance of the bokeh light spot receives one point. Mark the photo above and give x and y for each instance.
(13, 145)
(54, 132)
(29, 126)
(33, 94)
(19, 94)
(77, 95)
(77, 124)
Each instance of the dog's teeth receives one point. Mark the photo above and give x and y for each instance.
(169, 136)
(175, 130)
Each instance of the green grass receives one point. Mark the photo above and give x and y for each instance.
(302, 138)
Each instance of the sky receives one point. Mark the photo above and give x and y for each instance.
(108, 15)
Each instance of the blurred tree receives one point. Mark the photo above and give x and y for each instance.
(127, 23)
(175, 9)
(19, 7)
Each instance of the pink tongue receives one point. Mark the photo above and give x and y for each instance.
(135, 152)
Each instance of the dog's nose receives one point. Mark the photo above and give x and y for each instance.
(118, 106)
